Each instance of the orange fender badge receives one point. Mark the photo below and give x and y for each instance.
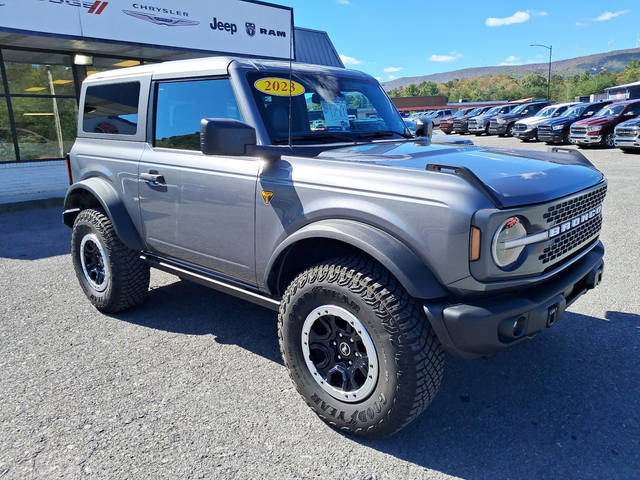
(267, 196)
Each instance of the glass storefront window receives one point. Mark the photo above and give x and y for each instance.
(7, 152)
(38, 73)
(46, 127)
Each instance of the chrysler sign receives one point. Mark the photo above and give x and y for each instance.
(223, 26)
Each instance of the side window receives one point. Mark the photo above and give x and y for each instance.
(112, 109)
(180, 106)
(559, 111)
(633, 110)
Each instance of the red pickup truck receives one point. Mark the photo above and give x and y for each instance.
(599, 129)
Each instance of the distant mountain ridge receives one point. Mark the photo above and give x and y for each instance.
(613, 61)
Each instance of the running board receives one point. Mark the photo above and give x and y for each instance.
(209, 280)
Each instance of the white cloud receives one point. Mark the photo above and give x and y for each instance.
(511, 60)
(518, 17)
(609, 15)
(349, 60)
(445, 58)
(581, 24)
(392, 69)
(392, 77)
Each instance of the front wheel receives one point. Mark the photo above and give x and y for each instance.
(359, 349)
(511, 130)
(608, 141)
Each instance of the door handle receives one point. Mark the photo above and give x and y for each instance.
(153, 177)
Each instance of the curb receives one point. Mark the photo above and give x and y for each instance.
(32, 205)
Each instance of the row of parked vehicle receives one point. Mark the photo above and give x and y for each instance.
(603, 123)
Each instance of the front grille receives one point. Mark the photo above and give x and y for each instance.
(458, 123)
(570, 209)
(520, 127)
(472, 124)
(626, 132)
(544, 129)
(493, 124)
(572, 239)
(579, 130)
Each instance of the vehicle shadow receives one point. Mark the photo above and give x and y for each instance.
(566, 405)
(188, 308)
(34, 234)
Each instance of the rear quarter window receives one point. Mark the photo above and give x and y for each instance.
(112, 109)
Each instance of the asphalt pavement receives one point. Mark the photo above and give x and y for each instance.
(192, 385)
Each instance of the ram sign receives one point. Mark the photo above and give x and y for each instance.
(222, 26)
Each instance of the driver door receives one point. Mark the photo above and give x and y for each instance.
(197, 208)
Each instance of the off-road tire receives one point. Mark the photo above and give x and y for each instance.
(410, 357)
(607, 141)
(128, 280)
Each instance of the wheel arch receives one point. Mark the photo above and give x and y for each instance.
(327, 239)
(97, 192)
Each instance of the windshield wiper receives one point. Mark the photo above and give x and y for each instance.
(382, 133)
(317, 136)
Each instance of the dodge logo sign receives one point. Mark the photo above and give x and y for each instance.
(251, 29)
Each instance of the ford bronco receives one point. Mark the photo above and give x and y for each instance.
(379, 250)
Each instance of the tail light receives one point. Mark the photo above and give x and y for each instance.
(69, 174)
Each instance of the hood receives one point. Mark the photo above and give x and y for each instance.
(511, 177)
(634, 122)
(533, 120)
(559, 121)
(594, 121)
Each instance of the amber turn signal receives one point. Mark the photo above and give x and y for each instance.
(474, 251)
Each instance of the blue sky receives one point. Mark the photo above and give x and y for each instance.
(390, 39)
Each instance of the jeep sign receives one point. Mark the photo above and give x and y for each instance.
(225, 26)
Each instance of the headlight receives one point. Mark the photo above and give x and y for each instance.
(500, 120)
(594, 129)
(558, 127)
(511, 229)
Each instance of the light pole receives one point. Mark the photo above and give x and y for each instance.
(550, 48)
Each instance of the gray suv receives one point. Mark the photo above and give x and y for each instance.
(301, 191)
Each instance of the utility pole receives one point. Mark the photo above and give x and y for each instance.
(550, 48)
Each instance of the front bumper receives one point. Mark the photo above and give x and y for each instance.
(583, 139)
(446, 127)
(525, 135)
(556, 136)
(627, 142)
(499, 129)
(485, 326)
(477, 128)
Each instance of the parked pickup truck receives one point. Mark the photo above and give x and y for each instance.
(380, 251)
(461, 124)
(503, 125)
(627, 135)
(556, 130)
(480, 124)
(599, 129)
(527, 129)
(446, 124)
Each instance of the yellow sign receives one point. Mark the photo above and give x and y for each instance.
(278, 87)
(267, 196)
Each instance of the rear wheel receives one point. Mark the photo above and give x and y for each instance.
(111, 275)
(358, 348)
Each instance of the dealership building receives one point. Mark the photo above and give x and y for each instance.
(48, 47)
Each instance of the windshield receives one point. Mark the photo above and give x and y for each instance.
(574, 111)
(461, 113)
(473, 112)
(610, 111)
(324, 108)
(547, 111)
(492, 110)
(519, 108)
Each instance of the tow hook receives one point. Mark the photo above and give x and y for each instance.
(552, 315)
(595, 277)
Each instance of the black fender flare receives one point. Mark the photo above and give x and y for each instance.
(111, 203)
(394, 255)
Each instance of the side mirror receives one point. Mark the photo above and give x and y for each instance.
(220, 136)
(424, 128)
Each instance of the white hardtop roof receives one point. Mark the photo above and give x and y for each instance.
(633, 84)
(198, 67)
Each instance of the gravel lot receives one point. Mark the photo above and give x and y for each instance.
(191, 385)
